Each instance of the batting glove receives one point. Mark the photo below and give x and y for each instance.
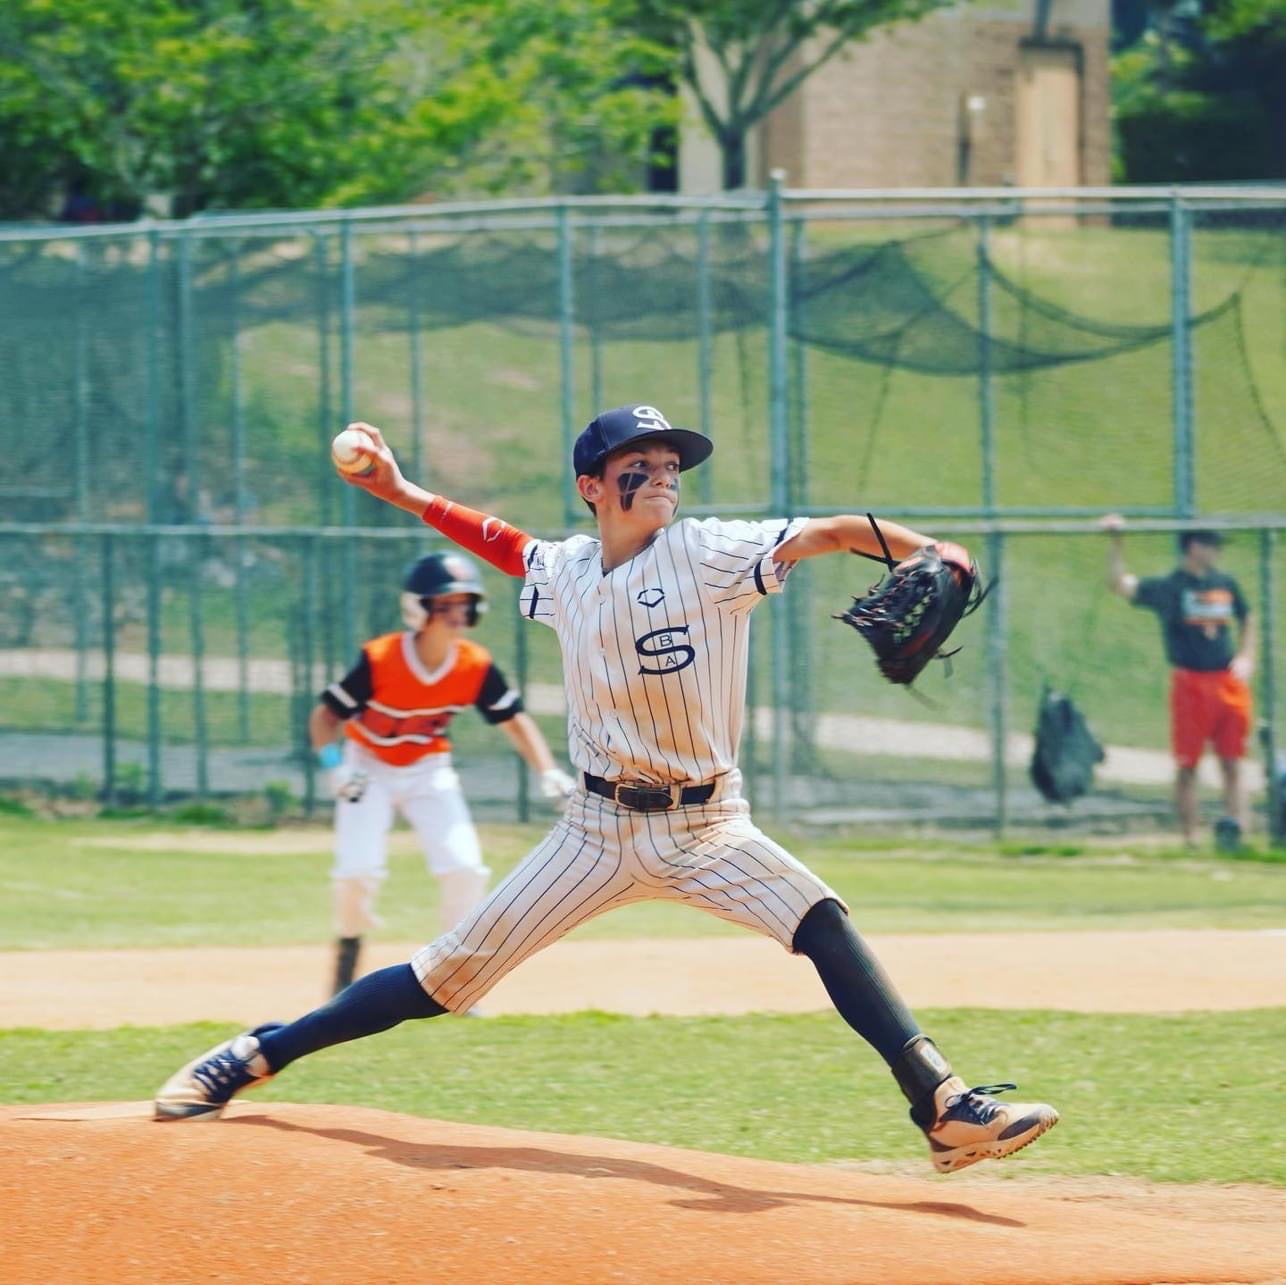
(346, 784)
(556, 785)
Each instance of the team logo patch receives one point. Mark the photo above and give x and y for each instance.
(671, 652)
(650, 417)
(650, 597)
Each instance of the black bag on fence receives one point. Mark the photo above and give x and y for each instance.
(1062, 763)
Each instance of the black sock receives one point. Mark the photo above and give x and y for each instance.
(374, 1003)
(859, 988)
(347, 951)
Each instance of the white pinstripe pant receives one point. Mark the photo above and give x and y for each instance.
(602, 855)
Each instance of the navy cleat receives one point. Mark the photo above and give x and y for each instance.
(207, 1084)
(970, 1125)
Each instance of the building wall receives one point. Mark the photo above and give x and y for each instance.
(933, 104)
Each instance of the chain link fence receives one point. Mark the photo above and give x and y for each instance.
(999, 367)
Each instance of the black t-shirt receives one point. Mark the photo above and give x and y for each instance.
(1196, 614)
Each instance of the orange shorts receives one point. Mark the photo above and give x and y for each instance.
(1208, 707)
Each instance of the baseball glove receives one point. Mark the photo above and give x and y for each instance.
(910, 613)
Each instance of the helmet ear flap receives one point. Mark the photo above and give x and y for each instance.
(415, 615)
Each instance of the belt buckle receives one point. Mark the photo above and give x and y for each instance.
(646, 798)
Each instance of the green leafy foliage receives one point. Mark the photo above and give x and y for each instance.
(1200, 97)
(297, 103)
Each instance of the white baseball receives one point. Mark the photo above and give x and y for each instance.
(351, 452)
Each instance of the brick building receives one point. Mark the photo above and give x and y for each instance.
(978, 95)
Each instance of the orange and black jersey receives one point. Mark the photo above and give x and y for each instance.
(399, 711)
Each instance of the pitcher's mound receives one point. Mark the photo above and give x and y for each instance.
(339, 1194)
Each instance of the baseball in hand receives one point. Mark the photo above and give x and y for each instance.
(352, 451)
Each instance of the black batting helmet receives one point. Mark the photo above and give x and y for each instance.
(432, 576)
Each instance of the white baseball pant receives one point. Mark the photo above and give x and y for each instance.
(601, 855)
(428, 795)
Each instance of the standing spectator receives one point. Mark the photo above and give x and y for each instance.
(1209, 671)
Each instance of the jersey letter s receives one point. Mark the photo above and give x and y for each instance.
(667, 649)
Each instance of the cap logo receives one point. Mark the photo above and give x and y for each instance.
(456, 569)
(650, 418)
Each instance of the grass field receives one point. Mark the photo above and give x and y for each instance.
(59, 888)
(1188, 1098)
(1139, 1095)
(1175, 1098)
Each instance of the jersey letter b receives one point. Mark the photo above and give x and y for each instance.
(665, 647)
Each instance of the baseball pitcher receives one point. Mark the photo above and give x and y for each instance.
(653, 619)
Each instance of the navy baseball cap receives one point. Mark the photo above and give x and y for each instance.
(625, 424)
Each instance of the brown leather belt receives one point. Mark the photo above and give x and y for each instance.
(649, 798)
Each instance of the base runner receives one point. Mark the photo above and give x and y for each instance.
(653, 620)
(395, 706)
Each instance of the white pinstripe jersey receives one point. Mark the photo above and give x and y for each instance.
(655, 651)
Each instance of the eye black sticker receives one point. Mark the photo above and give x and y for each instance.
(630, 484)
(634, 480)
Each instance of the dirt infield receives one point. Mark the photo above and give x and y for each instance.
(324, 1194)
(320, 1194)
(1104, 972)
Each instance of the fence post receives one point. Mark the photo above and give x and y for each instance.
(306, 645)
(238, 429)
(325, 420)
(326, 430)
(779, 454)
(998, 665)
(194, 548)
(152, 379)
(705, 362)
(80, 428)
(80, 390)
(996, 639)
(1268, 683)
(417, 364)
(803, 740)
(183, 340)
(108, 599)
(1181, 346)
(236, 393)
(152, 560)
(196, 630)
(566, 314)
(986, 397)
(595, 345)
(348, 554)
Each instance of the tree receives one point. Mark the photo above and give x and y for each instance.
(587, 89)
(1200, 96)
(297, 103)
(763, 51)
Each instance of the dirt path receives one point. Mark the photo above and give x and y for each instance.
(323, 1194)
(1155, 972)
